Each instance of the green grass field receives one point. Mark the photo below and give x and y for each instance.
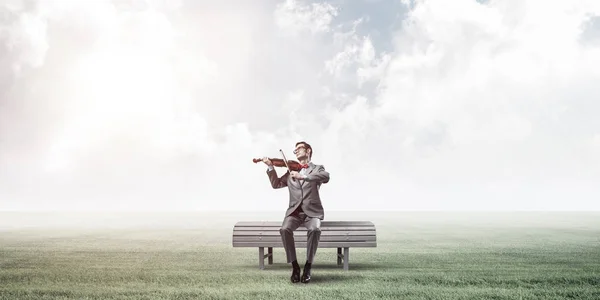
(420, 255)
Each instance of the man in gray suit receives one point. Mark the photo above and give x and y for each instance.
(305, 207)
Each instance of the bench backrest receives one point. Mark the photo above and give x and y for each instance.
(334, 234)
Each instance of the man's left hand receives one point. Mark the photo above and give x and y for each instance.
(296, 175)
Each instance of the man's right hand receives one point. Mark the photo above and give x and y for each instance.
(267, 161)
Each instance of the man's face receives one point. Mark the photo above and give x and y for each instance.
(300, 151)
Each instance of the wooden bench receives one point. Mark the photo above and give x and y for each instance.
(334, 234)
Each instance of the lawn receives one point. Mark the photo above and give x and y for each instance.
(420, 255)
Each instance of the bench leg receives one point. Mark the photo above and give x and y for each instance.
(346, 258)
(261, 258)
(270, 255)
(339, 256)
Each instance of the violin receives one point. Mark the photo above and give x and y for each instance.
(292, 165)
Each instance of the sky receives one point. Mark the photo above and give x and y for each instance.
(410, 105)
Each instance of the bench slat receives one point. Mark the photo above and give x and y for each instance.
(323, 223)
(296, 233)
(304, 238)
(302, 228)
(303, 244)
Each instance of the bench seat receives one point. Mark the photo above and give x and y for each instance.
(334, 234)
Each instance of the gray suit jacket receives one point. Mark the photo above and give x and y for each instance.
(303, 192)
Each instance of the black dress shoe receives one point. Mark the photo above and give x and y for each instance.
(306, 275)
(295, 275)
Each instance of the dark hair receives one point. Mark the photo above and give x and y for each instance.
(307, 147)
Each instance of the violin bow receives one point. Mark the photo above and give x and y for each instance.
(285, 161)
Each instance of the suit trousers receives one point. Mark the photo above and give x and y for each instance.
(313, 228)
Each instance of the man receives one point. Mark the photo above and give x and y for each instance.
(305, 207)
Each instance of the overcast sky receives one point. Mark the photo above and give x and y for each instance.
(410, 105)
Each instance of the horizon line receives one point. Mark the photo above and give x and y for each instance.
(280, 211)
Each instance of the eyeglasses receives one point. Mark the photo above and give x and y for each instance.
(296, 150)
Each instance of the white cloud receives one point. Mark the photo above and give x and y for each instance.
(470, 94)
(295, 16)
(357, 58)
(475, 107)
(23, 34)
(467, 71)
